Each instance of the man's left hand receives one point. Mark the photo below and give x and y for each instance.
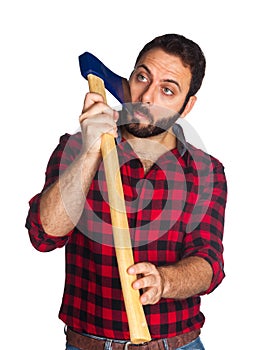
(151, 281)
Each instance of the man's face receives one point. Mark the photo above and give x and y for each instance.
(159, 85)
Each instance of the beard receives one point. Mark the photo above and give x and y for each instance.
(132, 124)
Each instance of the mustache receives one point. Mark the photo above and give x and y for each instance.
(141, 108)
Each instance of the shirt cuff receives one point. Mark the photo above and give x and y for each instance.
(217, 272)
(39, 238)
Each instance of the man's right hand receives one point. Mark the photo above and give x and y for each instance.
(97, 118)
(62, 203)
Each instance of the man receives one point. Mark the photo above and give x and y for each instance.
(175, 213)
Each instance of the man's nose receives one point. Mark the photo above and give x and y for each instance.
(148, 95)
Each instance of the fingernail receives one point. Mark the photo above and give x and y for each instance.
(143, 299)
(136, 285)
(131, 271)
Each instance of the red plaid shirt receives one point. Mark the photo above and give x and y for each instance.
(174, 211)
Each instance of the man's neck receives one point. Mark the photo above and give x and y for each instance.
(151, 148)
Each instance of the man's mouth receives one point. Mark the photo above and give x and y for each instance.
(143, 118)
(141, 114)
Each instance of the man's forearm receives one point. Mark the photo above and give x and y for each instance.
(62, 203)
(190, 276)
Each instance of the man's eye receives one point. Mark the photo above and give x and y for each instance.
(167, 91)
(141, 78)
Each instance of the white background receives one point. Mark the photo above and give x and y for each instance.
(41, 98)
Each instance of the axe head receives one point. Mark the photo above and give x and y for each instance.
(115, 84)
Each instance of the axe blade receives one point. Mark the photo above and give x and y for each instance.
(114, 83)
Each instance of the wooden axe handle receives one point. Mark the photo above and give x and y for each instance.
(139, 332)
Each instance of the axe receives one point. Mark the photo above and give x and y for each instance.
(115, 84)
(97, 75)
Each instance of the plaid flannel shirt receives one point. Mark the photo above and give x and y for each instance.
(175, 210)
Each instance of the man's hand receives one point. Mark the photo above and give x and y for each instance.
(151, 281)
(62, 203)
(96, 119)
(187, 277)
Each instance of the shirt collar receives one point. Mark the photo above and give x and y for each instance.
(179, 134)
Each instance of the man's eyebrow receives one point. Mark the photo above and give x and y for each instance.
(143, 66)
(173, 82)
(164, 80)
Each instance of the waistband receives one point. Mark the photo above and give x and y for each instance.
(89, 342)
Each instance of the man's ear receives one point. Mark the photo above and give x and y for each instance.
(189, 106)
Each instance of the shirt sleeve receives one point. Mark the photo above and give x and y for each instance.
(60, 159)
(204, 232)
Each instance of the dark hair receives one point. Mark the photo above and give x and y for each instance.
(189, 52)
